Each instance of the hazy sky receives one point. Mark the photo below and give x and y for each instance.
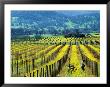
(66, 12)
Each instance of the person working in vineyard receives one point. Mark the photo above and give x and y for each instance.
(83, 65)
(71, 68)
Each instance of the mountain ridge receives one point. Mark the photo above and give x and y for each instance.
(53, 22)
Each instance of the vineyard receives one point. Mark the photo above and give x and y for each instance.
(56, 57)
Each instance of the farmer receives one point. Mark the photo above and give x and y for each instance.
(71, 68)
(83, 65)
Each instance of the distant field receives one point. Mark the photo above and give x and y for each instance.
(56, 57)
